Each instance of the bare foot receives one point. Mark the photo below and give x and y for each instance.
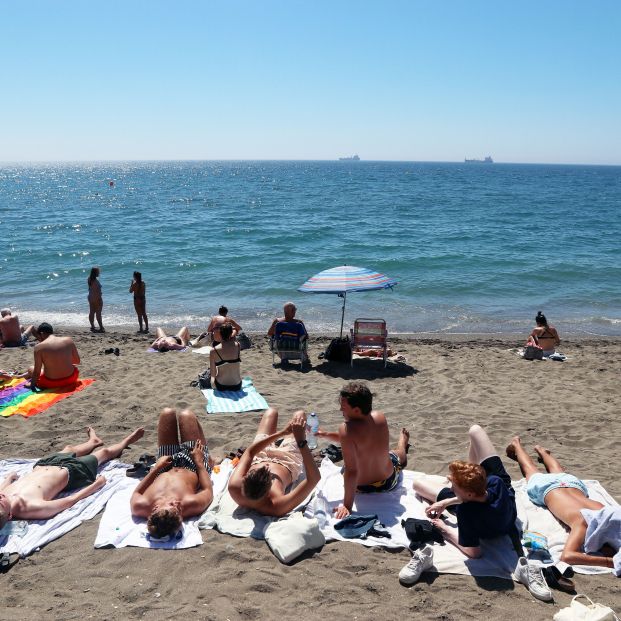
(404, 440)
(93, 437)
(511, 448)
(134, 436)
(540, 450)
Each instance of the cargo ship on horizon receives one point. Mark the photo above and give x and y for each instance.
(353, 158)
(487, 160)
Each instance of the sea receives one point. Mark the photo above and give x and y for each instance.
(475, 248)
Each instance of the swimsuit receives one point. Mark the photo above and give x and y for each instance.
(82, 470)
(182, 456)
(287, 455)
(219, 363)
(22, 341)
(540, 484)
(387, 484)
(46, 382)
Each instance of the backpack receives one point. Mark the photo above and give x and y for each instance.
(533, 352)
(339, 350)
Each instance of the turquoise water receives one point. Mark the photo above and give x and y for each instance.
(476, 248)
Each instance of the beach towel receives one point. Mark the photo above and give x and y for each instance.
(41, 532)
(245, 400)
(202, 351)
(556, 356)
(17, 398)
(118, 528)
(157, 351)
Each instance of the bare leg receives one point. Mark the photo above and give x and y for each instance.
(184, 335)
(425, 489)
(86, 447)
(481, 446)
(516, 451)
(190, 428)
(91, 317)
(106, 453)
(159, 333)
(98, 315)
(551, 463)
(167, 428)
(146, 321)
(269, 422)
(403, 447)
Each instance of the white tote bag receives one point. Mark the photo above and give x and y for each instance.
(577, 611)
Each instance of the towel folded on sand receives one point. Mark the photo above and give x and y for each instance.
(41, 532)
(245, 400)
(17, 398)
(202, 351)
(498, 559)
(118, 528)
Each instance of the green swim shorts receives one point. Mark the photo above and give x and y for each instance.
(82, 470)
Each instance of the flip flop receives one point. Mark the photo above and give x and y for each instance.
(556, 580)
(5, 561)
(147, 459)
(138, 471)
(332, 452)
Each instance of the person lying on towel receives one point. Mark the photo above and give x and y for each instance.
(33, 495)
(178, 485)
(566, 497)
(263, 477)
(370, 465)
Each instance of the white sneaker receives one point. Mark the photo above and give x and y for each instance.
(421, 560)
(531, 576)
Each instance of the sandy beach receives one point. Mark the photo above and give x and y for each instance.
(445, 385)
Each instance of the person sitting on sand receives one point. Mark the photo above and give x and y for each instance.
(370, 464)
(224, 361)
(178, 485)
(265, 471)
(33, 495)
(138, 287)
(565, 496)
(217, 321)
(289, 310)
(544, 336)
(95, 300)
(11, 333)
(166, 343)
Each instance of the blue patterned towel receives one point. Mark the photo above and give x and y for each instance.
(245, 400)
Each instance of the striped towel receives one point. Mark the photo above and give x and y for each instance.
(244, 400)
(17, 398)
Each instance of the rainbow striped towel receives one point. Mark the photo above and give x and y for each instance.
(17, 398)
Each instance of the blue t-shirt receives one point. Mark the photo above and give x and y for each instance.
(492, 518)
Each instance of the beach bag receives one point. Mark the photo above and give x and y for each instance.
(244, 341)
(420, 532)
(339, 350)
(576, 611)
(533, 352)
(204, 379)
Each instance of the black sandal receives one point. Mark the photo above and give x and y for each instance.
(138, 471)
(556, 580)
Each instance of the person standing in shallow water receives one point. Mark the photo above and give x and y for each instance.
(95, 300)
(139, 288)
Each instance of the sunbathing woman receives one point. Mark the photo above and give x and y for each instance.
(224, 361)
(138, 288)
(166, 343)
(544, 336)
(565, 496)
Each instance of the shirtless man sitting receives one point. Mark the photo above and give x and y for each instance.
(11, 334)
(178, 485)
(370, 465)
(33, 495)
(217, 321)
(565, 496)
(166, 343)
(265, 472)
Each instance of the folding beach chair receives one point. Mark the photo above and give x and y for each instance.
(290, 342)
(369, 334)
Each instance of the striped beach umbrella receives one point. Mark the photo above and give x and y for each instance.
(341, 280)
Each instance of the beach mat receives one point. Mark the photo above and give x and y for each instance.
(17, 398)
(41, 532)
(247, 399)
(118, 528)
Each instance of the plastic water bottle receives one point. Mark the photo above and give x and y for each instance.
(312, 426)
(321, 509)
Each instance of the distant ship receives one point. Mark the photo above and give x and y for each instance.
(353, 158)
(487, 160)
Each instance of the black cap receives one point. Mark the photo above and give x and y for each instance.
(46, 328)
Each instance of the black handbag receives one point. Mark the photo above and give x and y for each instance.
(420, 532)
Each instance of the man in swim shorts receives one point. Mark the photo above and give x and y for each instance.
(370, 465)
(11, 333)
(33, 495)
(566, 497)
(263, 478)
(178, 486)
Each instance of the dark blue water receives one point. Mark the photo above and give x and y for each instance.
(476, 248)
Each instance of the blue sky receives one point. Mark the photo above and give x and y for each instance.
(288, 79)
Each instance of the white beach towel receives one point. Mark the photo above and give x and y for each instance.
(540, 520)
(41, 532)
(202, 351)
(247, 399)
(157, 351)
(118, 528)
(555, 357)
